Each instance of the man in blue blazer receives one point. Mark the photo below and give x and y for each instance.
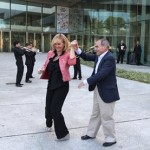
(104, 84)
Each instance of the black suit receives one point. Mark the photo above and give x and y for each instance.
(29, 64)
(138, 51)
(33, 62)
(77, 68)
(18, 53)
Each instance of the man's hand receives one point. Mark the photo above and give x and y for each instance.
(74, 45)
(81, 84)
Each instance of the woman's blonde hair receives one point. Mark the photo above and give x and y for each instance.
(64, 40)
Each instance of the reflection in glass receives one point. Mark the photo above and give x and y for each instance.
(5, 14)
(48, 18)
(18, 36)
(46, 40)
(34, 17)
(18, 15)
(6, 41)
(37, 43)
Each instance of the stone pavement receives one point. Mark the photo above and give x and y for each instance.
(22, 122)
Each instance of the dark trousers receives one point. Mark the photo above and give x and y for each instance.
(138, 59)
(20, 69)
(77, 69)
(54, 102)
(29, 71)
(32, 69)
(120, 56)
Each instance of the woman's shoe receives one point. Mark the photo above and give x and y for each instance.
(49, 129)
(67, 137)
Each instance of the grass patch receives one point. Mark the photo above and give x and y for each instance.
(131, 75)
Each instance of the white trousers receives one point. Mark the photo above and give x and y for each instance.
(102, 114)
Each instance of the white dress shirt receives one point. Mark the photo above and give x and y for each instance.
(78, 51)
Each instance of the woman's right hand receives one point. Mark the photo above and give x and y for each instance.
(40, 70)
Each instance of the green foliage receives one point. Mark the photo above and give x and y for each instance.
(110, 21)
(133, 75)
(130, 75)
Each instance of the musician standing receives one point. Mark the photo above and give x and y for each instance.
(33, 60)
(28, 62)
(18, 53)
(77, 68)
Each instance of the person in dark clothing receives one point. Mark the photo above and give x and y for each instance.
(33, 60)
(138, 51)
(28, 54)
(77, 68)
(56, 70)
(18, 53)
(121, 48)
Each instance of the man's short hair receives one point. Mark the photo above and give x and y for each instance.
(16, 42)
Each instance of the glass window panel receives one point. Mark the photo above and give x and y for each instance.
(46, 39)
(133, 13)
(48, 18)
(38, 40)
(6, 42)
(34, 17)
(31, 38)
(87, 19)
(147, 45)
(18, 36)
(18, 15)
(5, 14)
(75, 19)
(80, 41)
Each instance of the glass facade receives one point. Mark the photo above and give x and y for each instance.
(87, 20)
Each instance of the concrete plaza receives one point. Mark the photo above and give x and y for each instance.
(22, 122)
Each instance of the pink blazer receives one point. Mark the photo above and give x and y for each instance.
(64, 62)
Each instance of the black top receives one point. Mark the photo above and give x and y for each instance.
(122, 46)
(18, 55)
(29, 57)
(54, 73)
(137, 49)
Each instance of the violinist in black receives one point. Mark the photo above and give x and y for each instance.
(18, 53)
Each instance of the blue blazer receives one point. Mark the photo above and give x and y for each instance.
(105, 78)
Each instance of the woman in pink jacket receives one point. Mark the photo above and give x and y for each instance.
(56, 70)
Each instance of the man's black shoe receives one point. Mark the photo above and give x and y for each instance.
(86, 137)
(18, 85)
(106, 144)
(74, 78)
(29, 81)
(32, 77)
(21, 84)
